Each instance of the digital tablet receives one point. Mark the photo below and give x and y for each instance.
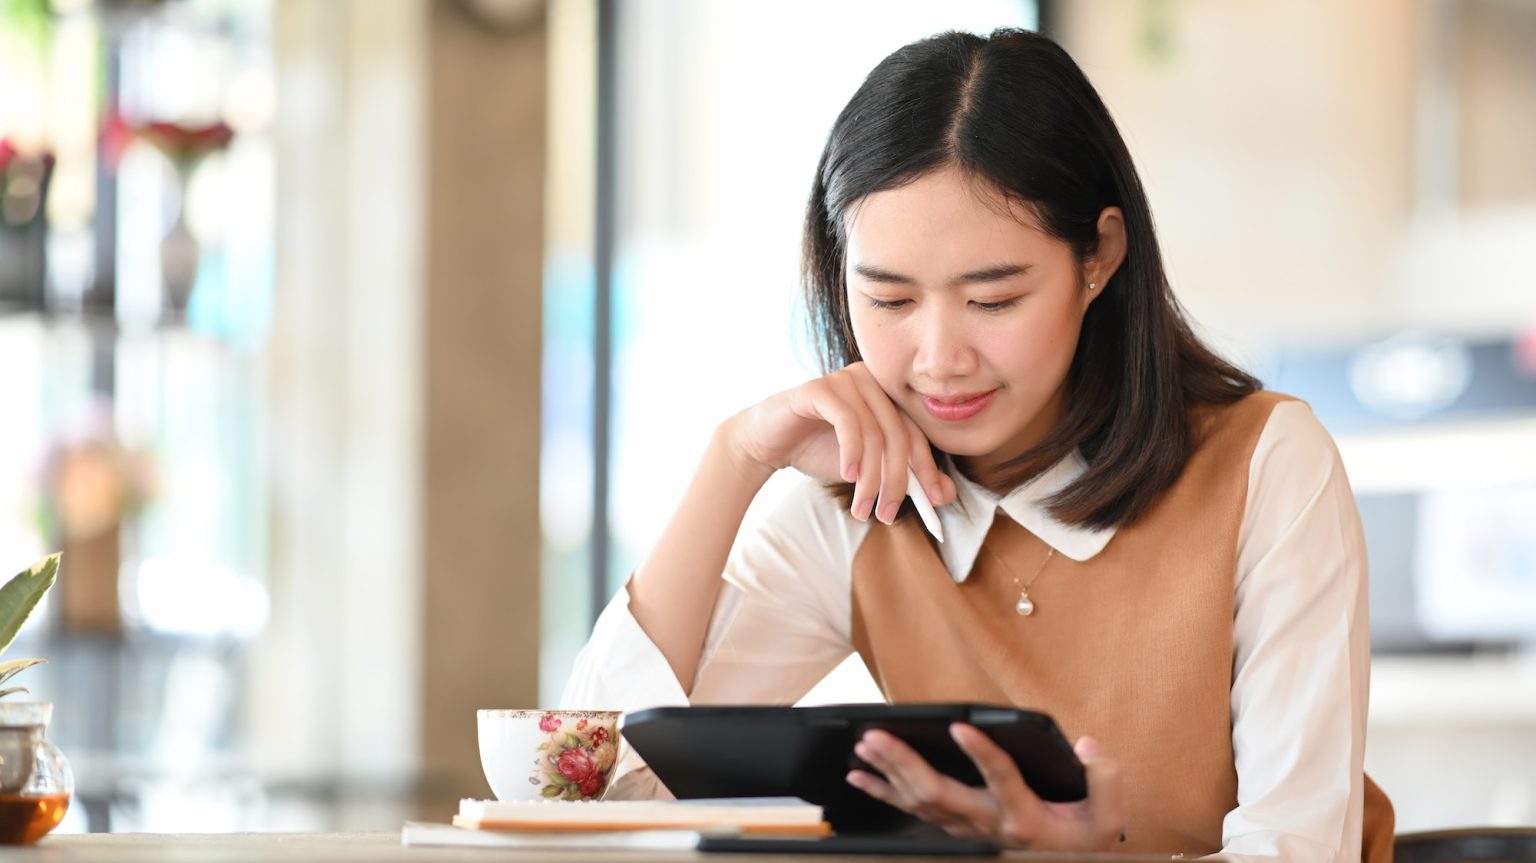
(806, 752)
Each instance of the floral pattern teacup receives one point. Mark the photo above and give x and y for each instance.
(549, 754)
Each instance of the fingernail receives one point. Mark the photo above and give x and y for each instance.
(850, 473)
(861, 509)
(888, 513)
(1087, 747)
(935, 493)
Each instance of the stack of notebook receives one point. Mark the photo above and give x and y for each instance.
(781, 816)
(619, 823)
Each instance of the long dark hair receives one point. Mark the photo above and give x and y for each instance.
(1014, 110)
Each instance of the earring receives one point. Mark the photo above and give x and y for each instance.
(1092, 286)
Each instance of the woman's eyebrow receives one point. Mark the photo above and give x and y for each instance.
(995, 273)
(878, 274)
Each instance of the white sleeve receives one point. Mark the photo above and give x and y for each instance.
(780, 623)
(1301, 665)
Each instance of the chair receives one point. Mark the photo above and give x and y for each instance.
(1472, 845)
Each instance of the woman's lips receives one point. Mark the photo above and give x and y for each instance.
(957, 408)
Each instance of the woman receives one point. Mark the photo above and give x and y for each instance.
(1137, 539)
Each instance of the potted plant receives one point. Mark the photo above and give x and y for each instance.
(18, 598)
(35, 781)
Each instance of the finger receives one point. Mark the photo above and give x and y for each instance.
(866, 491)
(821, 400)
(868, 488)
(928, 793)
(1022, 817)
(884, 791)
(998, 771)
(938, 486)
(870, 447)
(875, 787)
(936, 483)
(1106, 788)
(894, 434)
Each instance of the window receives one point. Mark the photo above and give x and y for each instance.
(721, 111)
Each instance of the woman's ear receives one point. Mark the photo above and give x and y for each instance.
(1106, 261)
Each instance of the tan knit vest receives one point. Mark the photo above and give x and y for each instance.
(1132, 647)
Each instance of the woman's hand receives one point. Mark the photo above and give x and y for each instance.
(843, 427)
(1005, 812)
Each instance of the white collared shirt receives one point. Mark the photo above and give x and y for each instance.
(1301, 642)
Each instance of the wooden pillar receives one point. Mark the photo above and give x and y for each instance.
(484, 269)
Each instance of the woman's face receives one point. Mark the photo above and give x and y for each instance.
(966, 312)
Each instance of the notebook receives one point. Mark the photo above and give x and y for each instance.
(775, 816)
(419, 833)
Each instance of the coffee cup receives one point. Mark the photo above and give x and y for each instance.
(548, 754)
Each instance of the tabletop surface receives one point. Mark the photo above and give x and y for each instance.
(345, 847)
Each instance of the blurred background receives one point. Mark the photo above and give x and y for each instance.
(355, 350)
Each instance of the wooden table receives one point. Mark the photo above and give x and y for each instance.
(348, 847)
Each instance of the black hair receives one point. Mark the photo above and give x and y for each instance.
(1013, 110)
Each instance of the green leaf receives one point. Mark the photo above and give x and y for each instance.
(9, 669)
(550, 791)
(21, 594)
(5, 692)
(572, 793)
(572, 741)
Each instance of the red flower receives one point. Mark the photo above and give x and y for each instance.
(592, 784)
(549, 723)
(576, 764)
(599, 736)
(9, 153)
(115, 136)
(185, 145)
(581, 725)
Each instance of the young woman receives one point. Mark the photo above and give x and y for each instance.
(1137, 539)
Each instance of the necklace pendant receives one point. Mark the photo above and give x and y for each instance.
(1026, 606)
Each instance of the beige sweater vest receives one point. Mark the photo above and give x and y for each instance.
(1132, 647)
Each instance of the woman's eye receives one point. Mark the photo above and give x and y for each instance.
(997, 306)
(887, 304)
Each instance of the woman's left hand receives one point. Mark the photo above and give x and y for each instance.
(1006, 812)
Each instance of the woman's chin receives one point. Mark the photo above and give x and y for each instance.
(963, 445)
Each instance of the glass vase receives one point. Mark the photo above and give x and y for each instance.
(35, 780)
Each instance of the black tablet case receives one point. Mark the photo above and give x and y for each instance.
(806, 752)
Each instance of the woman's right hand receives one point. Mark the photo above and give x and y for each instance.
(843, 426)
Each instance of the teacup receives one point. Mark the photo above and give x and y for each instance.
(549, 754)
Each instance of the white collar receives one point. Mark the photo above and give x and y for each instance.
(967, 519)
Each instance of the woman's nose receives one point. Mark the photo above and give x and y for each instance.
(943, 349)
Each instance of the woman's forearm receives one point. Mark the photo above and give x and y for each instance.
(672, 594)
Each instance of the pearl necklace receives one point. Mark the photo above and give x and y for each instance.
(1025, 606)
